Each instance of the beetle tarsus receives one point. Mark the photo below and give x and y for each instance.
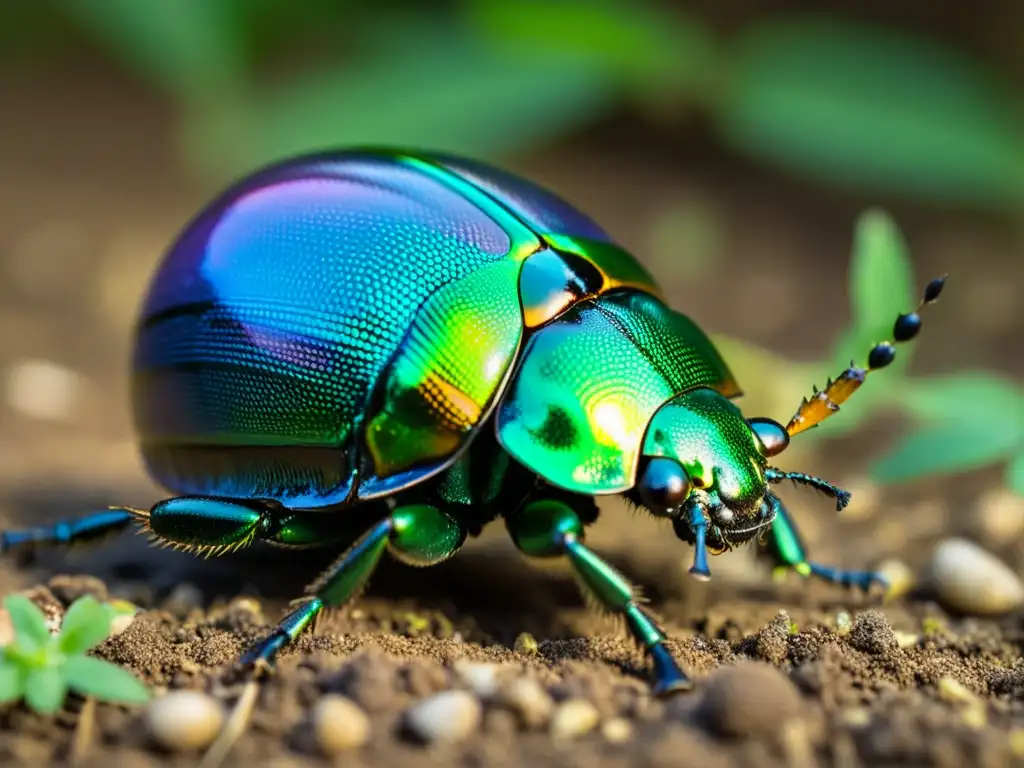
(862, 580)
(551, 528)
(786, 548)
(69, 532)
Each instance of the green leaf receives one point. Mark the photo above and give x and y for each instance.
(86, 625)
(639, 42)
(982, 396)
(949, 447)
(881, 287)
(1015, 474)
(874, 108)
(418, 83)
(12, 682)
(45, 690)
(90, 676)
(191, 48)
(30, 630)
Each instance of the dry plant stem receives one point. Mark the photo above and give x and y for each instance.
(84, 732)
(235, 726)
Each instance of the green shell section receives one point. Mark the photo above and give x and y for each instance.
(589, 384)
(709, 436)
(271, 321)
(443, 380)
(617, 267)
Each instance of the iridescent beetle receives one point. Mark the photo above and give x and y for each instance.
(386, 350)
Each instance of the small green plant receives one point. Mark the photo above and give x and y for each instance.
(41, 668)
(962, 421)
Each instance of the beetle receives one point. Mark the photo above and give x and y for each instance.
(380, 349)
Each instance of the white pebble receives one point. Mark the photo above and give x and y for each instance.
(120, 623)
(617, 730)
(999, 516)
(528, 700)
(184, 720)
(42, 389)
(898, 575)
(972, 580)
(448, 717)
(339, 724)
(481, 678)
(573, 718)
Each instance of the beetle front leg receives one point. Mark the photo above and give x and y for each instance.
(786, 548)
(551, 529)
(417, 534)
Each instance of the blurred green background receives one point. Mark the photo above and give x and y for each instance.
(793, 176)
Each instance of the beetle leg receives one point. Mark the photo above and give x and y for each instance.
(786, 548)
(550, 529)
(417, 534)
(68, 532)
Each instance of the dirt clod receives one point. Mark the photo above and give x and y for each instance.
(871, 633)
(748, 699)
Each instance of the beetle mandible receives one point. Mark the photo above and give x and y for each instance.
(385, 350)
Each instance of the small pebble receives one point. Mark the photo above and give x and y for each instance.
(339, 724)
(899, 576)
(906, 639)
(999, 516)
(183, 599)
(573, 718)
(748, 699)
(184, 720)
(42, 389)
(120, 623)
(843, 623)
(449, 716)
(617, 730)
(955, 692)
(481, 678)
(528, 700)
(526, 643)
(1017, 742)
(865, 498)
(856, 717)
(971, 580)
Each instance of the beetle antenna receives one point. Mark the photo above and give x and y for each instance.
(815, 409)
(842, 497)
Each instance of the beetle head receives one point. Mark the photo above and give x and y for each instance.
(705, 464)
(699, 452)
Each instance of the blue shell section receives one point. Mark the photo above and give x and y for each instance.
(270, 320)
(541, 210)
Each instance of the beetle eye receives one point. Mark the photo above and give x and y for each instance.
(664, 486)
(772, 436)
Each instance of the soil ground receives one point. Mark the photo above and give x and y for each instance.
(83, 217)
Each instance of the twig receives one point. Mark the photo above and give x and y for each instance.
(84, 731)
(234, 727)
